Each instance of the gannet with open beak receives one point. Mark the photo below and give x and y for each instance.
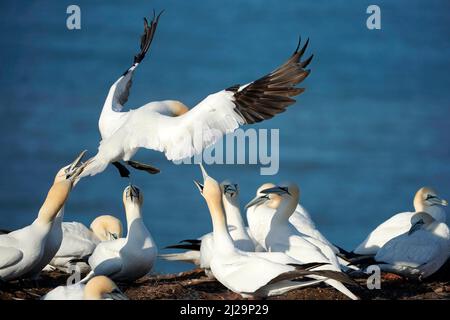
(98, 288)
(23, 249)
(420, 252)
(123, 133)
(257, 274)
(54, 238)
(130, 258)
(279, 235)
(79, 242)
(202, 248)
(425, 200)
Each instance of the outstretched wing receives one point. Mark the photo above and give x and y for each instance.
(215, 116)
(120, 90)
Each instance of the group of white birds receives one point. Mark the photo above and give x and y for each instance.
(280, 250)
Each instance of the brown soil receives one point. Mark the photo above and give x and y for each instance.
(195, 285)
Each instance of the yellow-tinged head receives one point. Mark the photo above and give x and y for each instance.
(427, 197)
(101, 287)
(107, 227)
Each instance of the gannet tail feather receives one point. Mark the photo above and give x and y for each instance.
(187, 256)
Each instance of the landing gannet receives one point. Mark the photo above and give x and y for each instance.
(130, 258)
(203, 247)
(98, 288)
(420, 252)
(279, 235)
(123, 133)
(22, 249)
(54, 238)
(251, 273)
(79, 242)
(425, 200)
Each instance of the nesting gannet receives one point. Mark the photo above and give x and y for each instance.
(420, 252)
(425, 200)
(279, 235)
(54, 238)
(130, 258)
(251, 273)
(203, 247)
(123, 133)
(22, 249)
(79, 242)
(98, 288)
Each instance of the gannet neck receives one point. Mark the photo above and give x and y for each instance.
(233, 213)
(133, 214)
(54, 202)
(222, 238)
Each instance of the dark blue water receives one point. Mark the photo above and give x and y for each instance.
(372, 127)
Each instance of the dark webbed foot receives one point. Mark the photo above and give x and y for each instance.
(123, 171)
(142, 166)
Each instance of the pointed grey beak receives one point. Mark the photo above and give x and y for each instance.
(199, 186)
(417, 226)
(77, 161)
(118, 295)
(204, 173)
(257, 201)
(113, 236)
(438, 201)
(276, 190)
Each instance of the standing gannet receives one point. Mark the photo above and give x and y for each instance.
(79, 242)
(130, 258)
(425, 200)
(123, 133)
(202, 248)
(22, 249)
(98, 288)
(279, 235)
(54, 238)
(257, 274)
(420, 252)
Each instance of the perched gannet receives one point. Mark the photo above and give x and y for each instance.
(203, 247)
(130, 258)
(420, 252)
(123, 133)
(79, 242)
(22, 249)
(251, 273)
(279, 235)
(259, 218)
(425, 200)
(54, 238)
(98, 288)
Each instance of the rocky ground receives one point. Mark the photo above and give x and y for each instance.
(195, 285)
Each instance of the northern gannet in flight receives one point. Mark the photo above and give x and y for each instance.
(279, 235)
(98, 288)
(54, 238)
(419, 252)
(200, 250)
(22, 249)
(187, 134)
(79, 242)
(257, 274)
(130, 258)
(425, 200)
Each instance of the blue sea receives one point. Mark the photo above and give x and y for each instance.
(371, 128)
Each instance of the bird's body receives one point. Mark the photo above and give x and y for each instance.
(130, 258)
(401, 222)
(272, 208)
(79, 242)
(419, 252)
(154, 126)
